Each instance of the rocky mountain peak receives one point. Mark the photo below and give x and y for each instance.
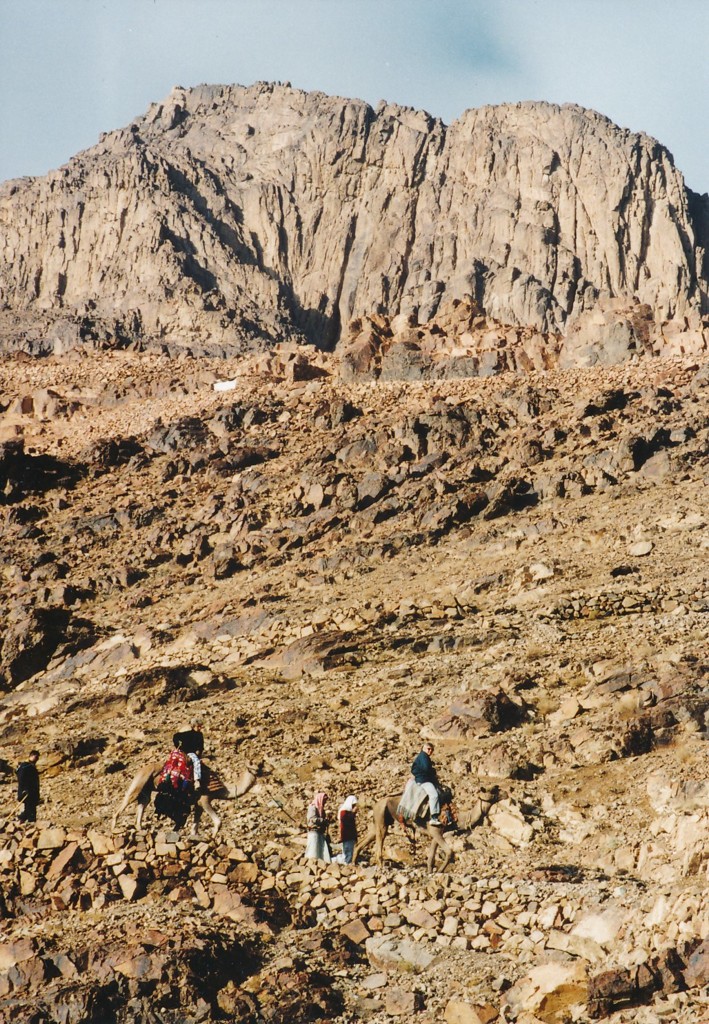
(245, 215)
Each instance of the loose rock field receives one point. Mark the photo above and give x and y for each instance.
(325, 571)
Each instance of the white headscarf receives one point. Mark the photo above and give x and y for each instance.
(350, 804)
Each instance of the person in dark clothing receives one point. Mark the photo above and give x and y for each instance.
(191, 739)
(177, 784)
(28, 787)
(347, 819)
(425, 775)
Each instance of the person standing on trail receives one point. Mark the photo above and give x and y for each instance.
(318, 844)
(28, 787)
(347, 821)
(425, 775)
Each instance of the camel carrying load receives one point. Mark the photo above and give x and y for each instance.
(414, 804)
(387, 812)
(143, 789)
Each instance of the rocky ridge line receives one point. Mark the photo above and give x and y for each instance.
(231, 215)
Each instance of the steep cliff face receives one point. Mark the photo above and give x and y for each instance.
(266, 212)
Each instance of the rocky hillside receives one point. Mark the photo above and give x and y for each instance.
(475, 510)
(229, 216)
(324, 571)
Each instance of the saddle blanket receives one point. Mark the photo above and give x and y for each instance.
(412, 801)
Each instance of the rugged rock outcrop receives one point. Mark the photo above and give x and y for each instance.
(229, 214)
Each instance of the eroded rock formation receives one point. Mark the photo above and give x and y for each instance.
(233, 214)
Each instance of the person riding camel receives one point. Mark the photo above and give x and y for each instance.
(191, 738)
(425, 775)
(191, 743)
(176, 784)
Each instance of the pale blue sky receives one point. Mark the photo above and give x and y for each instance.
(71, 69)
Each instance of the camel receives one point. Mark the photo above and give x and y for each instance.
(384, 815)
(143, 787)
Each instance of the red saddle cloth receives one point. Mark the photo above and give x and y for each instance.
(177, 770)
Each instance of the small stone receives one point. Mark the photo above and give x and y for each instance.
(129, 886)
(400, 1002)
(459, 1012)
(245, 871)
(401, 953)
(28, 883)
(356, 931)
(51, 839)
(201, 894)
(61, 861)
(420, 918)
(101, 844)
(375, 981)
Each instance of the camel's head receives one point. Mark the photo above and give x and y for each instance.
(488, 797)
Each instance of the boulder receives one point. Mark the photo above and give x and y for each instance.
(506, 818)
(29, 642)
(549, 991)
(459, 1012)
(13, 953)
(311, 655)
(399, 954)
(483, 712)
(697, 970)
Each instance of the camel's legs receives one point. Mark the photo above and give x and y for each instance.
(379, 849)
(133, 791)
(384, 817)
(121, 809)
(436, 842)
(196, 818)
(139, 812)
(204, 804)
(363, 843)
(375, 835)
